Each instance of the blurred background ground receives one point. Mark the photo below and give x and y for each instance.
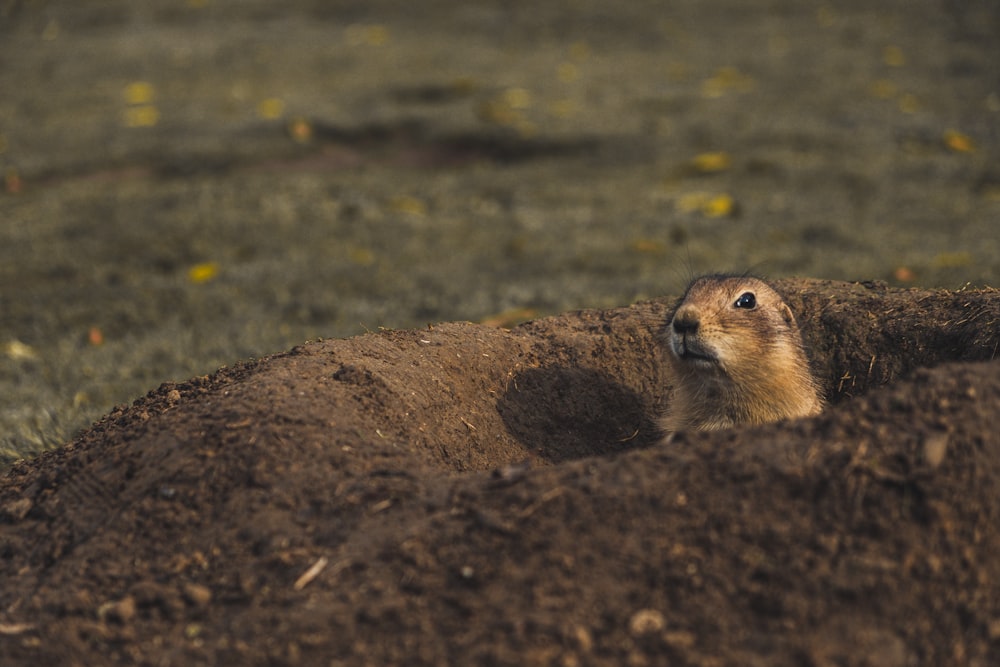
(191, 183)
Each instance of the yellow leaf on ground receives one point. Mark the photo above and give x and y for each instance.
(15, 349)
(719, 206)
(202, 273)
(300, 130)
(712, 162)
(138, 92)
(271, 108)
(958, 142)
(708, 204)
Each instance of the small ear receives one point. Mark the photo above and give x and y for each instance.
(786, 314)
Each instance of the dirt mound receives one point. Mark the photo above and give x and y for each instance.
(469, 495)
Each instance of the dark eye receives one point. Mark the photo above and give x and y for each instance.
(747, 300)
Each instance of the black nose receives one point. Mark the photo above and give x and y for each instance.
(685, 323)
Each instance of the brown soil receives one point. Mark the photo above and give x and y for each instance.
(470, 495)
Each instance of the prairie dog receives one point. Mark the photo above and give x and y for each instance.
(736, 357)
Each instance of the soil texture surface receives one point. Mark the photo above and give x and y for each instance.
(185, 184)
(465, 494)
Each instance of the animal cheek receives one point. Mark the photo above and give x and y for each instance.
(725, 349)
(712, 329)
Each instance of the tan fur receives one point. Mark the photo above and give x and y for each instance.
(755, 369)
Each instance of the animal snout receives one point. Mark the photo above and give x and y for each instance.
(685, 320)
